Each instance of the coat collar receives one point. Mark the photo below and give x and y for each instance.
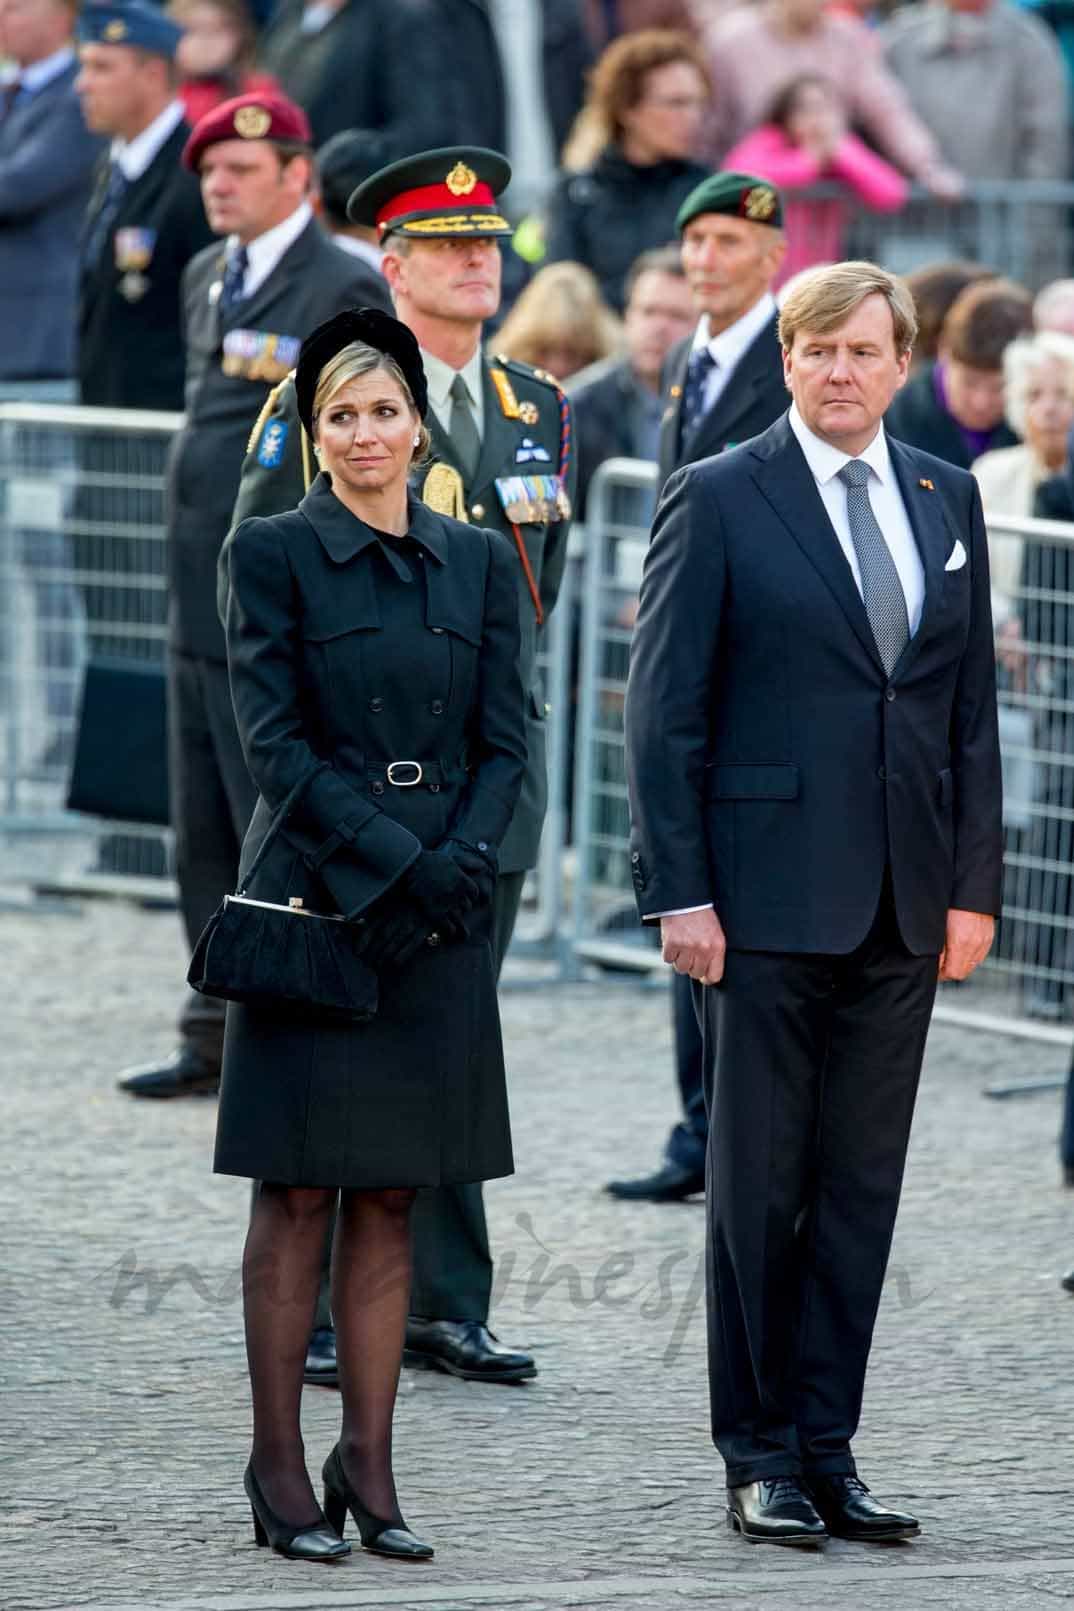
(786, 481)
(343, 535)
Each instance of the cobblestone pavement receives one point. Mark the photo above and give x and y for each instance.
(125, 1418)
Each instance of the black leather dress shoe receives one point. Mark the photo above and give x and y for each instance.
(776, 1510)
(321, 1369)
(464, 1348)
(670, 1184)
(184, 1073)
(850, 1511)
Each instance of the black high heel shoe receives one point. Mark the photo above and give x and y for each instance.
(313, 1543)
(382, 1537)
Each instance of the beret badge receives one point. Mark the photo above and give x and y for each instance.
(252, 122)
(115, 31)
(759, 204)
(461, 180)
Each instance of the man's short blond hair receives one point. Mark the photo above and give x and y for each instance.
(825, 298)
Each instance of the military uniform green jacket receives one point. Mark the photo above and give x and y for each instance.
(523, 487)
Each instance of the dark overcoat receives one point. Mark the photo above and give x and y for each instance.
(130, 311)
(338, 652)
(917, 417)
(274, 478)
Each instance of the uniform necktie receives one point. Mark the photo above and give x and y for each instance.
(102, 220)
(701, 366)
(9, 94)
(885, 601)
(231, 292)
(464, 433)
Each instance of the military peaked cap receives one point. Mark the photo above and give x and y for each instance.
(448, 192)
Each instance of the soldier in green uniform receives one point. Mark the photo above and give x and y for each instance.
(501, 457)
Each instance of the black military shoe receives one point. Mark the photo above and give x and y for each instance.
(464, 1348)
(670, 1184)
(775, 1510)
(321, 1369)
(850, 1511)
(185, 1073)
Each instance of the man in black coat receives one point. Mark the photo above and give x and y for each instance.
(145, 220)
(725, 384)
(814, 774)
(248, 304)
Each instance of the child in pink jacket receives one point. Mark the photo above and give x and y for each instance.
(806, 142)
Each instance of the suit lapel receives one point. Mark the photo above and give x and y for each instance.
(786, 482)
(715, 429)
(934, 539)
(669, 424)
(265, 298)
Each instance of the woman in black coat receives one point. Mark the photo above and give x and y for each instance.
(373, 648)
(642, 118)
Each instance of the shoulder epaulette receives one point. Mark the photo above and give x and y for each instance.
(519, 368)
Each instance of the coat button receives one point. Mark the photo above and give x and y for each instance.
(478, 511)
(438, 630)
(882, 773)
(376, 705)
(635, 856)
(434, 788)
(889, 694)
(437, 707)
(482, 845)
(378, 787)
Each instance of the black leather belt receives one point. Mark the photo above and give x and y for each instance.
(409, 774)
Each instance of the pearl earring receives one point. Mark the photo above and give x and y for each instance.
(417, 441)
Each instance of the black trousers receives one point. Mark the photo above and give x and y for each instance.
(212, 801)
(687, 1142)
(811, 1090)
(452, 1268)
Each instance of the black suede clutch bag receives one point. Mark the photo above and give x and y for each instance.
(285, 958)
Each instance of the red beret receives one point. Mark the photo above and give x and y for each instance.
(248, 117)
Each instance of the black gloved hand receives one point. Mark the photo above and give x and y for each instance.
(479, 866)
(438, 888)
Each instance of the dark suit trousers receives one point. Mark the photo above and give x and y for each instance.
(212, 801)
(452, 1272)
(688, 1140)
(812, 1089)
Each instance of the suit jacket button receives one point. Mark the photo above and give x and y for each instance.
(376, 705)
(437, 707)
(889, 694)
(378, 787)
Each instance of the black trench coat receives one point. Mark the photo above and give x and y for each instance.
(335, 656)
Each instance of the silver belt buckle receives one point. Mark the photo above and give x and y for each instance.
(405, 783)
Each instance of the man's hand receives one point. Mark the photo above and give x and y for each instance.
(969, 940)
(694, 944)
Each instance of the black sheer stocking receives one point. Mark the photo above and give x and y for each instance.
(281, 1271)
(370, 1296)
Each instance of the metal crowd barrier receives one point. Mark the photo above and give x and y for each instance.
(1027, 985)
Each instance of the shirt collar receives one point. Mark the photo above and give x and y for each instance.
(265, 251)
(727, 348)
(826, 461)
(134, 156)
(440, 375)
(38, 74)
(368, 251)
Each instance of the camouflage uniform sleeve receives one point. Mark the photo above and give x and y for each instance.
(276, 471)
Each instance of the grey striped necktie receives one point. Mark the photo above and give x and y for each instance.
(885, 601)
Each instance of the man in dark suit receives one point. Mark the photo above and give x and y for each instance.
(813, 763)
(493, 422)
(725, 384)
(145, 221)
(46, 162)
(248, 304)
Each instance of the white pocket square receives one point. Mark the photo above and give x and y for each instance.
(956, 558)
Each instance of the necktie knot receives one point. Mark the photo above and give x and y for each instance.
(855, 473)
(460, 392)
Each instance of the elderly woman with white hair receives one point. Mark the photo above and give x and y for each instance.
(1038, 374)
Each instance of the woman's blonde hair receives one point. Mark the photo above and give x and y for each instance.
(562, 303)
(826, 297)
(617, 83)
(1021, 358)
(351, 363)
